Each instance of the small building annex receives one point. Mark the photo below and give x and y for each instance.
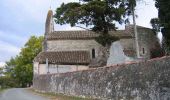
(67, 51)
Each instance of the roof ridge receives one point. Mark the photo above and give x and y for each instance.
(139, 26)
(64, 51)
(85, 31)
(74, 31)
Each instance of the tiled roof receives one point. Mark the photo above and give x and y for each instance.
(121, 33)
(64, 35)
(64, 57)
(71, 35)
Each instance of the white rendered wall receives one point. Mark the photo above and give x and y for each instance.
(35, 67)
(60, 68)
(117, 55)
(42, 69)
(39, 68)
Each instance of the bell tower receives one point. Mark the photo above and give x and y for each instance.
(49, 28)
(49, 25)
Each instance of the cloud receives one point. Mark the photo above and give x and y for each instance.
(66, 28)
(33, 9)
(11, 37)
(19, 20)
(22, 18)
(7, 51)
(146, 11)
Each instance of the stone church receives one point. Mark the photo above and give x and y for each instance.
(67, 51)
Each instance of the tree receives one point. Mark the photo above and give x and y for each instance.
(7, 82)
(159, 50)
(1, 71)
(10, 67)
(21, 67)
(99, 15)
(163, 7)
(155, 25)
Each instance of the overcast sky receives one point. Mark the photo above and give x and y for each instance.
(19, 19)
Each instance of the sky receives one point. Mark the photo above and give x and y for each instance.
(20, 19)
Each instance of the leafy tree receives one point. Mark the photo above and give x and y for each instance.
(99, 15)
(21, 67)
(164, 22)
(7, 82)
(1, 71)
(9, 68)
(155, 25)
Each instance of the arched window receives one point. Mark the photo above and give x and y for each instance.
(93, 53)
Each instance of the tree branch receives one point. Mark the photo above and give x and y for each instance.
(83, 28)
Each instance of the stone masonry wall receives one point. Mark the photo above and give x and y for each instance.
(149, 80)
(73, 45)
(84, 45)
(147, 41)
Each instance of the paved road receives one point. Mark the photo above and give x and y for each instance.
(19, 94)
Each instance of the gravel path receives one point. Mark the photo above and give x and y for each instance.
(20, 94)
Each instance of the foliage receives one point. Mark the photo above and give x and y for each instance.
(157, 51)
(10, 67)
(7, 82)
(1, 71)
(100, 15)
(155, 25)
(21, 67)
(106, 38)
(164, 15)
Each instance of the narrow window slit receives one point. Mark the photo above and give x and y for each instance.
(93, 53)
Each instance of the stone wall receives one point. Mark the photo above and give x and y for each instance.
(87, 45)
(127, 43)
(73, 45)
(147, 41)
(149, 80)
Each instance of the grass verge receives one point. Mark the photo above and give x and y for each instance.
(1, 90)
(53, 96)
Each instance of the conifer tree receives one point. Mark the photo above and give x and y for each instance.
(163, 7)
(99, 15)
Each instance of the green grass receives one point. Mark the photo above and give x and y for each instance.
(1, 90)
(53, 96)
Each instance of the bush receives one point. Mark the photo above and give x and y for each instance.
(8, 82)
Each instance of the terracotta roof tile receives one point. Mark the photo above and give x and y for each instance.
(64, 57)
(71, 35)
(64, 35)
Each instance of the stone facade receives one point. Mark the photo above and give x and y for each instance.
(74, 45)
(148, 80)
(147, 41)
(63, 42)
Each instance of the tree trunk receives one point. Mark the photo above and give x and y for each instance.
(104, 54)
